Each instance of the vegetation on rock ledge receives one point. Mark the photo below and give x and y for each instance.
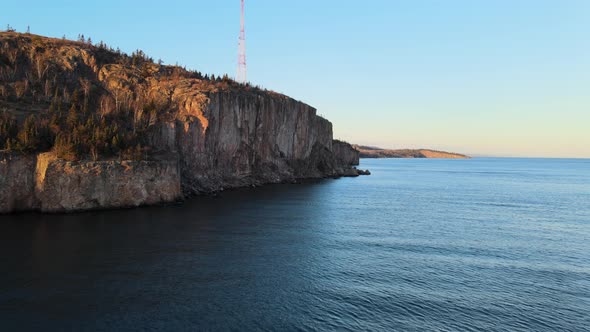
(88, 101)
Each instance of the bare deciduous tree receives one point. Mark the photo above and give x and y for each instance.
(86, 85)
(41, 67)
(47, 88)
(94, 153)
(106, 106)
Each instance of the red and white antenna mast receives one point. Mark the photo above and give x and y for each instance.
(242, 71)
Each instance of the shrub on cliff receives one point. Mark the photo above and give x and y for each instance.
(78, 134)
(64, 148)
(8, 130)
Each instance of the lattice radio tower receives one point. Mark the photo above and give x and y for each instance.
(242, 76)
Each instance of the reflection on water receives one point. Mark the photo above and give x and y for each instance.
(421, 244)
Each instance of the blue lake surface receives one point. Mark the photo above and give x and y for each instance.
(421, 245)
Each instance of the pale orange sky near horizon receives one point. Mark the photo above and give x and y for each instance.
(536, 131)
(496, 78)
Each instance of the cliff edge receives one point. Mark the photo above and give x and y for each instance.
(83, 127)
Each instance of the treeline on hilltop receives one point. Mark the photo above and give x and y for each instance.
(70, 112)
(52, 100)
(72, 131)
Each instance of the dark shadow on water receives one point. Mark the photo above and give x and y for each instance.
(419, 245)
(212, 257)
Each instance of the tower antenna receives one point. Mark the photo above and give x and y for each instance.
(242, 70)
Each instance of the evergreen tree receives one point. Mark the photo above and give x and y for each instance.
(72, 120)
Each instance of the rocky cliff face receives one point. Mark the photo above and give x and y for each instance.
(48, 184)
(347, 154)
(204, 135)
(73, 186)
(17, 182)
(244, 139)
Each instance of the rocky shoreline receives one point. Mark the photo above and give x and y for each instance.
(43, 183)
(131, 132)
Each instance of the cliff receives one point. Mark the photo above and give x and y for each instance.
(45, 183)
(373, 152)
(136, 132)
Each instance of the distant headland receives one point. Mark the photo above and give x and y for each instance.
(375, 152)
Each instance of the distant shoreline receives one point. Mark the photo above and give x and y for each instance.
(375, 152)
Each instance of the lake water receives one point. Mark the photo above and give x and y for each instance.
(420, 245)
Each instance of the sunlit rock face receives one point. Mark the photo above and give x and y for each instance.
(203, 134)
(45, 183)
(251, 139)
(74, 186)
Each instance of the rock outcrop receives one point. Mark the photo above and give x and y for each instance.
(48, 184)
(203, 134)
(73, 186)
(346, 153)
(17, 182)
(246, 139)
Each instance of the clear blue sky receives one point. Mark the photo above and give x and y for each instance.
(489, 77)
